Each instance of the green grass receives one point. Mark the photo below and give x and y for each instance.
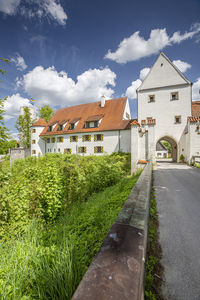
(42, 261)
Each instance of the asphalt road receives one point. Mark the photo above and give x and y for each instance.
(177, 190)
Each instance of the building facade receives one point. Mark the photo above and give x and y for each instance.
(165, 112)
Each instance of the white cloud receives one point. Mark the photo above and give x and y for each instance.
(143, 73)
(12, 105)
(49, 87)
(35, 8)
(136, 47)
(9, 6)
(196, 90)
(181, 65)
(20, 63)
(131, 90)
(56, 11)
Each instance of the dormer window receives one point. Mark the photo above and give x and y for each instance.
(50, 128)
(60, 127)
(174, 96)
(93, 121)
(151, 98)
(73, 123)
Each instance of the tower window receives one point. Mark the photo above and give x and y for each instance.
(174, 96)
(177, 119)
(151, 98)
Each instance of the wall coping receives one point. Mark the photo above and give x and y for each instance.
(117, 271)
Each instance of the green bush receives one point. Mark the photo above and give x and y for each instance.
(47, 261)
(45, 187)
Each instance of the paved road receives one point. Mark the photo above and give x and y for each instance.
(177, 190)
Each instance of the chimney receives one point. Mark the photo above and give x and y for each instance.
(103, 100)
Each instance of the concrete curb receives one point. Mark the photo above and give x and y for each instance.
(117, 271)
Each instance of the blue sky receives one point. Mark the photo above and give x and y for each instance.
(74, 51)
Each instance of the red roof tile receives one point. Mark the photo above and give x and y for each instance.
(196, 108)
(41, 122)
(112, 117)
(193, 119)
(135, 122)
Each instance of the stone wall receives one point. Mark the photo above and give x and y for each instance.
(17, 153)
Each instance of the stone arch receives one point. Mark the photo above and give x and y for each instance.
(173, 144)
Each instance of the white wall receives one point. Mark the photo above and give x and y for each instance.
(194, 140)
(164, 110)
(111, 142)
(39, 146)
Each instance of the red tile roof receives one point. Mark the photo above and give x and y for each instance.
(193, 119)
(112, 117)
(41, 122)
(135, 122)
(196, 108)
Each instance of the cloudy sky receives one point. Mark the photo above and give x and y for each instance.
(66, 52)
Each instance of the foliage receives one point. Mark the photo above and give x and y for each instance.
(182, 157)
(23, 125)
(167, 145)
(47, 260)
(153, 256)
(46, 113)
(6, 145)
(44, 187)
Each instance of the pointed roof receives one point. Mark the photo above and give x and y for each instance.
(41, 122)
(162, 74)
(111, 116)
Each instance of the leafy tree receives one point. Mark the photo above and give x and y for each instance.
(6, 145)
(46, 113)
(167, 145)
(23, 125)
(3, 129)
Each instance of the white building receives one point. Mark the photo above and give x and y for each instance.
(164, 113)
(93, 128)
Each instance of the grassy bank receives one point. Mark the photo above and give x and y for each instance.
(44, 257)
(154, 269)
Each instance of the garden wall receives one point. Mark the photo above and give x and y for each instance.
(117, 271)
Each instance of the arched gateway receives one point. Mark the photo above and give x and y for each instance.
(173, 144)
(164, 104)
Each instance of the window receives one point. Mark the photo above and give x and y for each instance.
(58, 149)
(53, 140)
(72, 126)
(48, 140)
(33, 151)
(68, 150)
(98, 149)
(74, 138)
(50, 128)
(81, 149)
(60, 127)
(151, 98)
(98, 137)
(127, 115)
(93, 124)
(34, 130)
(33, 141)
(60, 139)
(86, 138)
(174, 96)
(177, 119)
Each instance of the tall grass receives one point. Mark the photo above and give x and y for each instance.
(48, 261)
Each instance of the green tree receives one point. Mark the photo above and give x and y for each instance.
(46, 113)
(167, 145)
(6, 145)
(23, 125)
(3, 129)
